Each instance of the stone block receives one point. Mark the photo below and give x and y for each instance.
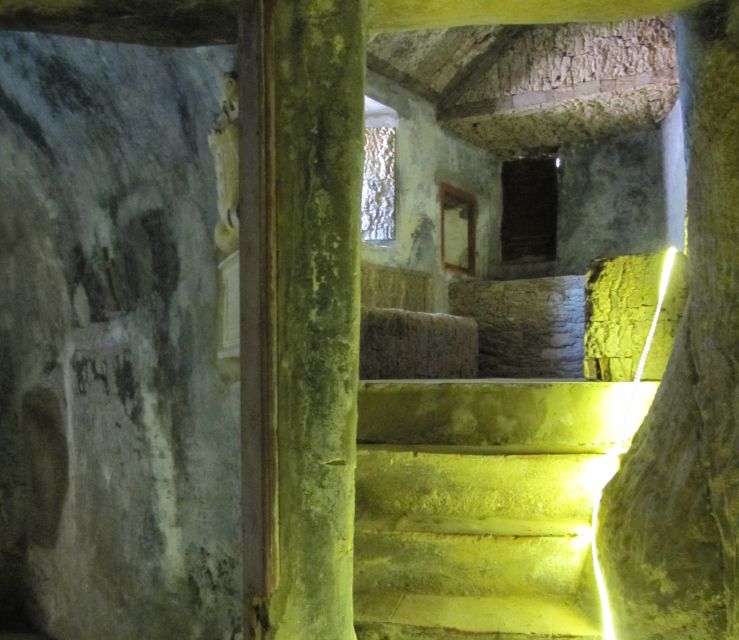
(398, 344)
(392, 288)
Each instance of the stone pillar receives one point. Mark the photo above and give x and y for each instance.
(669, 532)
(302, 198)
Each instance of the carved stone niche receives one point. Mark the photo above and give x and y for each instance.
(224, 145)
(228, 304)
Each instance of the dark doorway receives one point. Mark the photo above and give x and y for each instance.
(530, 196)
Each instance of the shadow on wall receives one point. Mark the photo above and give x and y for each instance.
(49, 465)
(37, 493)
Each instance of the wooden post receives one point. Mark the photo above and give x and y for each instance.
(258, 380)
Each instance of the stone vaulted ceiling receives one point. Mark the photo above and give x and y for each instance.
(516, 89)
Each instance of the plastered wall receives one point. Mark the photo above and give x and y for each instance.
(427, 156)
(108, 304)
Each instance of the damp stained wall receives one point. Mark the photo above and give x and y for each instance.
(427, 156)
(611, 203)
(108, 302)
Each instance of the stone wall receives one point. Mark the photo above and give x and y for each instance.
(426, 156)
(621, 302)
(669, 526)
(611, 203)
(108, 322)
(528, 328)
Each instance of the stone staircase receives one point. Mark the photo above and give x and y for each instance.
(474, 505)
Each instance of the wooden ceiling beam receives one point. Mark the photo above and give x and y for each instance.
(165, 23)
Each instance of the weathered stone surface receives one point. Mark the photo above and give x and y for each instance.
(392, 288)
(621, 302)
(399, 344)
(198, 22)
(428, 61)
(468, 538)
(416, 483)
(468, 565)
(317, 86)
(383, 631)
(564, 118)
(522, 415)
(528, 328)
(571, 83)
(567, 56)
(670, 520)
(107, 304)
(393, 15)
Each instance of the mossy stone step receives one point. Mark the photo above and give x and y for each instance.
(399, 616)
(470, 565)
(396, 484)
(515, 415)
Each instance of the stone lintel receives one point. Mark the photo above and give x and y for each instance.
(211, 22)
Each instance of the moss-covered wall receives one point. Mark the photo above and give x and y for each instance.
(107, 306)
(670, 526)
(621, 302)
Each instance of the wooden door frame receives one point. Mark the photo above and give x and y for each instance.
(257, 288)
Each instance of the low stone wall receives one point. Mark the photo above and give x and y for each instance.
(398, 344)
(621, 301)
(392, 288)
(528, 328)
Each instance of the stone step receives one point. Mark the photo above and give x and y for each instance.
(505, 494)
(470, 565)
(400, 616)
(513, 416)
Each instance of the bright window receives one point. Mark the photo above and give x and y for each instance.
(378, 184)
